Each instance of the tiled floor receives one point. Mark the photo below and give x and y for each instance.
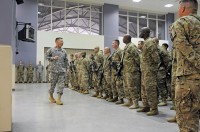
(80, 113)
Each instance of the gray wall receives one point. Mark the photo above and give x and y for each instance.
(169, 21)
(27, 12)
(111, 23)
(7, 23)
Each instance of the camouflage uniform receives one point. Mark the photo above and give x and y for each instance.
(185, 34)
(84, 74)
(39, 69)
(29, 77)
(117, 81)
(131, 72)
(57, 69)
(107, 75)
(48, 73)
(99, 62)
(173, 80)
(20, 73)
(76, 85)
(149, 67)
(67, 74)
(72, 73)
(162, 73)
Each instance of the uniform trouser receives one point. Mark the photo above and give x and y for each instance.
(114, 86)
(29, 77)
(59, 79)
(47, 76)
(173, 82)
(76, 80)
(187, 99)
(150, 83)
(39, 76)
(119, 86)
(20, 76)
(72, 78)
(84, 81)
(162, 85)
(98, 87)
(143, 92)
(131, 84)
(168, 81)
(107, 84)
(67, 78)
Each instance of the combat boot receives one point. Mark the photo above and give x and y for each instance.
(105, 97)
(129, 103)
(51, 99)
(135, 105)
(144, 109)
(152, 112)
(169, 99)
(163, 103)
(172, 119)
(120, 101)
(86, 92)
(58, 101)
(96, 94)
(114, 99)
(100, 95)
(109, 99)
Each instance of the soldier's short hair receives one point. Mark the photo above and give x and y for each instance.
(141, 42)
(165, 45)
(58, 38)
(194, 3)
(117, 41)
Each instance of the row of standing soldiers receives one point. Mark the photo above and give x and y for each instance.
(131, 74)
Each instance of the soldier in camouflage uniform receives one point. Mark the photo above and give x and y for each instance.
(79, 71)
(92, 65)
(150, 60)
(117, 80)
(84, 73)
(163, 69)
(99, 62)
(39, 71)
(58, 58)
(67, 77)
(168, 76)
(131, 73)
(76, 61)
(29, 77)
(107, 73)
(72, 71)
(20, 72)
(185, 35)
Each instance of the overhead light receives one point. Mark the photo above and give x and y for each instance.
(169, 5)
(136, 0)
(39, 12)
(40, 4)
(142, 16)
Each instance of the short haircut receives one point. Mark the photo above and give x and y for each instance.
(117, 41)
(193, 2)
(58, 38)
(166, 45)
(142, 42)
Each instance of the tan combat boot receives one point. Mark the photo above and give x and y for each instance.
(135, 105)
(105, 97)
(109, 99)
(58, 101)
(120, 101)
(152, 112)
(129, 103)
(51, 99)
(100, 95)
(86, 92)
(163, 103)
(114, 99)
(172, 119)
(96, 94)
(144, 109)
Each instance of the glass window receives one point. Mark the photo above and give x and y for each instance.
(161, 30)
(84, 22)
(57, 3)
(132, 13)
(142, 23)
(96, 8)
(84, 7)
(71, 6)
(152, 26)
(96, 23)
(152, 16)
(58, 15)
(122, 12)
(44, 2)
(122, 25)
(44, 18)
(133, 26)
(142, 15)
(71, 21)
(161, 17)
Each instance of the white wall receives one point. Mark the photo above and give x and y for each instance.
(135, 41)
(77, 41)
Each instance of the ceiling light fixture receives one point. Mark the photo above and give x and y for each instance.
(169, 5)
(136, 0)
(39, 12)
(142, 16)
